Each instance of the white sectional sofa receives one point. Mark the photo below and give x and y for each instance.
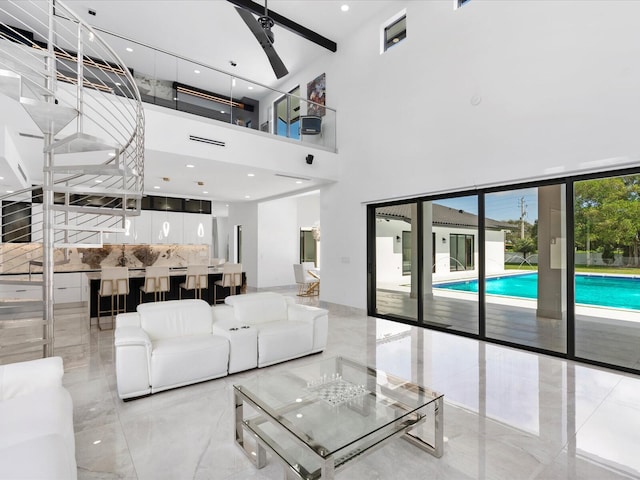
(283, 329)
(169, 344)
(36, 422)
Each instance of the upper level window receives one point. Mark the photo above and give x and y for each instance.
(394, 31)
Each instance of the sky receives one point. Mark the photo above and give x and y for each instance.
(500, 205)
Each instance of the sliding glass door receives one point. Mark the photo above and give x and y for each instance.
(607, 270)
(525, 281)
(552, 267)
(450, 277)
(396, 261)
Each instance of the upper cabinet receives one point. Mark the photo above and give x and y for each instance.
(197, 229)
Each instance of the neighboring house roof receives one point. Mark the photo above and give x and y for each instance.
(442, 216)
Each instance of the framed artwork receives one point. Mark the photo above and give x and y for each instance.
(316, 90)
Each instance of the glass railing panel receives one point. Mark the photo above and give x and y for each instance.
(175, 82)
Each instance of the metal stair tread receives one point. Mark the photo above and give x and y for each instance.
(105, 170)
(81, 142)
(111, 211)
(21, 322)
(96, 189)
(5, 281)
(48, 116)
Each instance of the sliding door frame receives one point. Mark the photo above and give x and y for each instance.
(570, 325)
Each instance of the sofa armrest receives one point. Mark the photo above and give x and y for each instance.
(223, 314)
(131, 336)
(319, 317)
(304, 313)
(21, 378)
(133, 361)
(131, 319)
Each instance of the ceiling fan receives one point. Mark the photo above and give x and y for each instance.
(261, 29)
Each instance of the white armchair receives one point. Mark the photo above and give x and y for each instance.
(166, 345)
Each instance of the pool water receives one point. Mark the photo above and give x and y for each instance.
(600, 290)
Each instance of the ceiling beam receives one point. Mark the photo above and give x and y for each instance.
(290, 25)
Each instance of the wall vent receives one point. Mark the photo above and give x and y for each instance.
(291, 176)
(207, 140)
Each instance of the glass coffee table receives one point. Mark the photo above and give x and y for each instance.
(316, 419)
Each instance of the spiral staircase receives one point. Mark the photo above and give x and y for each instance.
(83, 99)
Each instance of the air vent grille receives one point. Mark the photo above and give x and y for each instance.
(291, 176)
(207, 140)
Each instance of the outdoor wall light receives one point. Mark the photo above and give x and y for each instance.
(444, 240)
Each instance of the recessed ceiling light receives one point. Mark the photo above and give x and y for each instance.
(344, 8)
(298, 181)
(1, 178)
(129, 49)
(98, 181)
(250, 87)
(188, 165)
(97, 442)
(247, 196)
(205, 192)
(196, 71)
(9, 191)
(156, 187)
(111, 154)
(226, 205)
(175, 98)
(251, 174)
(221, 111)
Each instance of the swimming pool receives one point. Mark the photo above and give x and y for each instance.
(600, 290)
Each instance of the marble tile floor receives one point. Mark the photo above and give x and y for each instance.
(509, 414)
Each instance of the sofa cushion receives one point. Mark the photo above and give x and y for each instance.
(183, 360)
(175, 318)
(25, 377)
(254, 309)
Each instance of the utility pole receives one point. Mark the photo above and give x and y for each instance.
(523, 214)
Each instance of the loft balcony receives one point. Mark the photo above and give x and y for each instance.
(168, 80)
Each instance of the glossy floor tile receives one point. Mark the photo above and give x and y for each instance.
(509, 414)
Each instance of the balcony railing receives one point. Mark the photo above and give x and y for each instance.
(170, 80)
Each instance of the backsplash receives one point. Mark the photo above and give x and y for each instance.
(14, 257)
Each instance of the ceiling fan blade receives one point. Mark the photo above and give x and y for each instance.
(276, 63)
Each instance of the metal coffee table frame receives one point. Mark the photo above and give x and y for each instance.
(402, 426)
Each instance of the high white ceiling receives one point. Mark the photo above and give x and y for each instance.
(213, 33)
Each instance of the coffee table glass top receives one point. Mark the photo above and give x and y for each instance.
(335, 407)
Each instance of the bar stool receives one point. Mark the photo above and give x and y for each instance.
(197, 279)
(114, 282)
(156, 281)
(231, 279)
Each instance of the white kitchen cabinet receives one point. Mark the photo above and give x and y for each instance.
(197, 229)
(67, 287)
(166, 227)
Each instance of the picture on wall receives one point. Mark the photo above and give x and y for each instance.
(316, 90)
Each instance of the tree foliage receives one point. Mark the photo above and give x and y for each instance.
(607, 215)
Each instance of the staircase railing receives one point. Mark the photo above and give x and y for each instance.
(85, 101)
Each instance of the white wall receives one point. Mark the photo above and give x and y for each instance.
(246, 214)
(278, 244)
(557, 94)
(278, 240)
